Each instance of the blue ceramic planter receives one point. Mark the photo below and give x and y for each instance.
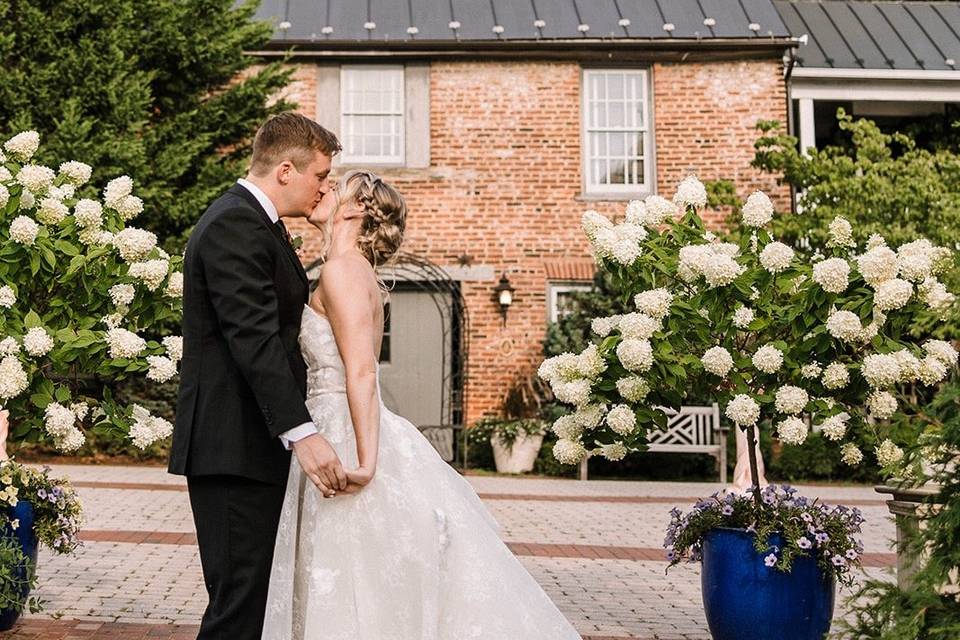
(746, 600)
(27, 538)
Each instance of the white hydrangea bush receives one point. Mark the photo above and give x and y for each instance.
(79, 283)
(774, 339)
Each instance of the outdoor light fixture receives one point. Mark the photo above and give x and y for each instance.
(504, 296)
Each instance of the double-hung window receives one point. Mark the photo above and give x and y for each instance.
(617, 132)
(372, 108)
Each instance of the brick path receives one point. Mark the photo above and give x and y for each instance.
(593, 546)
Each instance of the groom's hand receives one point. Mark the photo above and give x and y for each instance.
(321, 464)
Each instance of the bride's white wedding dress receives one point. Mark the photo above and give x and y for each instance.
(413, 556)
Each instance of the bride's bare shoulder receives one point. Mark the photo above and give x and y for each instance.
(346, 275)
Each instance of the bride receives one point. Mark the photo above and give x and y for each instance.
(407, 551)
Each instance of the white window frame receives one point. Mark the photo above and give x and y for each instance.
(554, 288)
(596, 188)
(400, 115)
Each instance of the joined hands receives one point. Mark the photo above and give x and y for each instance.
(322, 465)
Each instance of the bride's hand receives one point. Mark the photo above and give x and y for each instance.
(358, 478)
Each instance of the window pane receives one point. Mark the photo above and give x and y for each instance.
(615, 86)
(372, 116)
(615, 125)
(617, 172)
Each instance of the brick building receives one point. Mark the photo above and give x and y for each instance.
(503, 121)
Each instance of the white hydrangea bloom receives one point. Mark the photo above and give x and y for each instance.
(27, 201)
(717, 361)
(13, 378)
(835, 427)
(892, 294)
(743, 410)
(932, 370)
(657, 209)
(7, 297)
(638, 326)
(881, 404)
(621, 419)
(909, 365)
(575, 392)
(590, 363)
(691, 192)
(122, 294)
(776, 257)
(592, 223)
(569, 451)
(129, 207)
(22, 146)
(563, 367)
(942, 350)
(633, 388)
(77, 173)
(636, 212)
(37, 342)
(174, 347)
(124, 344)
(36, 178)
(565, 427)
(841, 233)
(152, 272)
(134, 244)
(113, 320)
(80, 409)
(880, 370)
(614, 452)
(936, 296)
(635, 355)
(792, 431)
(836, 376)
(60, 424)
(851, 455)
(51, 211)
(720, 270)
(9, 347)
(811, 370)
(768, 359)
(654, 302)
(88, 214)
(4, 196)
(757, 210)
(832, 274)
(116, 190)
(845, 325)
(888, 453)
(877, 265)
(147, 429)
(915, 260)
(742, 317)
(603, 326)
(24, 230)
(161, 369)
(790, 399)
(589, 416)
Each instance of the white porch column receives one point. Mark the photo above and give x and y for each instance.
(808, 137)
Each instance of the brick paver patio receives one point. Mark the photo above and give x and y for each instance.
(594, 547)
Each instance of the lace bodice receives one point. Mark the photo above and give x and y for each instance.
(325, 370)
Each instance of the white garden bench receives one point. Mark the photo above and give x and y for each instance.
(690, 430)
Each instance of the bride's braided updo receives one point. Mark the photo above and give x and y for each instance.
(381, 232)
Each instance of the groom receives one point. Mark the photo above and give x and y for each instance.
(243, 379)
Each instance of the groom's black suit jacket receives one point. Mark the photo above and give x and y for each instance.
(243, 378)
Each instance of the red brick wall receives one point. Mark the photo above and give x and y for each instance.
(505, 180)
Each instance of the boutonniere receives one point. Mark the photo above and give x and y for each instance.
(297, 242)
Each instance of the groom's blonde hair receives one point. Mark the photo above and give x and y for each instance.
(290, 136)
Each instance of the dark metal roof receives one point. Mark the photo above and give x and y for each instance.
(857, 34)
(416, 22)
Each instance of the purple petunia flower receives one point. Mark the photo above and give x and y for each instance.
(771, 560)
(727, 510)
(671, 555)
(822, 538)
(851, 554)
(838, 561)
(803, 543)
(806, 517)
(42, 494)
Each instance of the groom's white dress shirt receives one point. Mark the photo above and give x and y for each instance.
(307, 428)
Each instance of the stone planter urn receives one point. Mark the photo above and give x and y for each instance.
(520, 457)
(908, 505)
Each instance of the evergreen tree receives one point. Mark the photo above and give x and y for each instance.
(160, 90)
